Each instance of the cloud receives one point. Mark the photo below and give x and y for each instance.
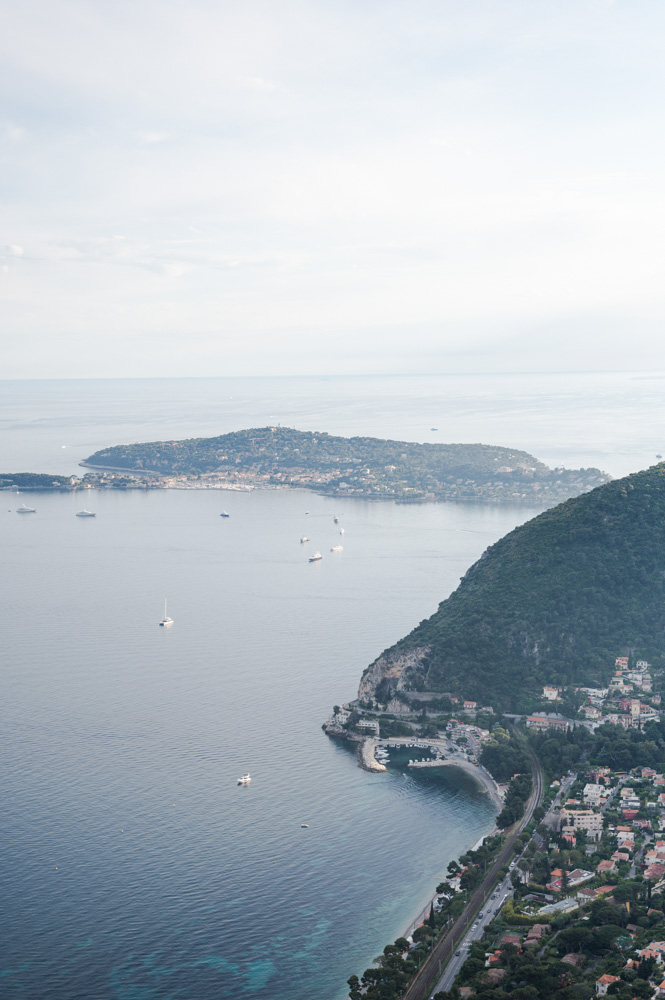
(258, 84)
(153, 137)
(333, 173)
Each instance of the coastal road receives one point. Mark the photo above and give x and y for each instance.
(476, 931)
(430, 972)
(502, 891)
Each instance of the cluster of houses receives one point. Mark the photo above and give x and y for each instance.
(654, 950)
(638, 798)
(627, 701)
(472, 737)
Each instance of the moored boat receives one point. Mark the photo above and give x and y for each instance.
(315, 557)
(26, 510)
(85, 513)
(166, 621)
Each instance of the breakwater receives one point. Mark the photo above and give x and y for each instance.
(366, 758)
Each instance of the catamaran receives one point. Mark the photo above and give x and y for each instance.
(166, 621)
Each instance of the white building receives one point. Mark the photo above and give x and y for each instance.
(582, 819)
(594, 794)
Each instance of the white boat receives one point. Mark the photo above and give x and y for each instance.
(245, 779)
(315, 557)
(341, 531)
(85, 513)
(224, 514)
(304, 539)
(336, 548)
(26, 510)
(166, 621)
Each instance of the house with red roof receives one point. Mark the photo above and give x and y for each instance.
(621, 856)
(655, 871)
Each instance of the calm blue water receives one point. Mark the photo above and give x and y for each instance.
(132, 864)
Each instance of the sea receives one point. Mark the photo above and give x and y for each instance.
(132, 864)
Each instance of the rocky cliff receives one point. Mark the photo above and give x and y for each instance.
(393, 672)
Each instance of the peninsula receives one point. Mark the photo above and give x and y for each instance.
(404, 471)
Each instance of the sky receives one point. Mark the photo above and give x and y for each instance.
(343, 186)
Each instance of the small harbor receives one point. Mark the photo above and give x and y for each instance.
(372, 751)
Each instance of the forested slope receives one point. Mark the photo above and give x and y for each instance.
(552, 602)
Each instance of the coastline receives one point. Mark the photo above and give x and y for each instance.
(455, 494)
(423, 911)
(367, 761)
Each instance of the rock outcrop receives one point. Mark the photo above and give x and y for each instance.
(392, 672)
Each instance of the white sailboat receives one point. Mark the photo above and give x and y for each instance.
(166, 621)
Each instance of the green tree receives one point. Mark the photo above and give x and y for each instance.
(355, 993)
(565, 882)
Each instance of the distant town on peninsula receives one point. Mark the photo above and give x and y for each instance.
(273, 457)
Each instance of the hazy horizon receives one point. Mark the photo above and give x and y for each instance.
(322, 188)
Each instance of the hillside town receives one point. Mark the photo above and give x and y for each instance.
(580, 910)
(587, 906)
(628, 700)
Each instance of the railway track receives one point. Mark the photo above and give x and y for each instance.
(431, 969)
